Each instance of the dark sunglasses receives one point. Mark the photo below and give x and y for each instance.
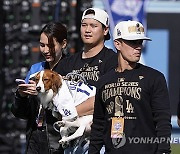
(133, 42)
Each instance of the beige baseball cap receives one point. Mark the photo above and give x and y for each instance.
(99, 15)
(129, 30)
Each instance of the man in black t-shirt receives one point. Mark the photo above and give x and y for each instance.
(95, 60)
(132, 108)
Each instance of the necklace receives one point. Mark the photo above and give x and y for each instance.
(53, 65)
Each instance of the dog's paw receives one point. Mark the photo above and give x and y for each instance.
(64, 143)
(61, 123)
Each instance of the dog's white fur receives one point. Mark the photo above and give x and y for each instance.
(81, 124)
(44, 95)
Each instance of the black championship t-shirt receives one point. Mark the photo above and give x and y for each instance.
(90, 68)
(140, 98)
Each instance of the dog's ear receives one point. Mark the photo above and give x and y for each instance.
(36, 78)
(56, 81)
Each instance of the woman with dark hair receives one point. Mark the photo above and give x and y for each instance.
(41, 138)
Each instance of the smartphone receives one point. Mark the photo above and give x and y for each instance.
(20, 81)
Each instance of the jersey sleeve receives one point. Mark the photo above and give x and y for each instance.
(161, 112)
(34, 70)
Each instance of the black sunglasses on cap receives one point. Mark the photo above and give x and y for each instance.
(133, 42)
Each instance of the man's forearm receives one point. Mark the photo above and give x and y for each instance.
(86, 108)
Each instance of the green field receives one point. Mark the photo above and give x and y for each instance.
(175, 148)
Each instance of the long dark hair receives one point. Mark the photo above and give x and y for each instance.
(54, 30)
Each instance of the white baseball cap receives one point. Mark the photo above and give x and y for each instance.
(129, 30)
(99, 15)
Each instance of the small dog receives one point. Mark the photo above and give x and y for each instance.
(56, 92)
(47, 85)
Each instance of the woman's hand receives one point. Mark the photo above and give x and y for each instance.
(27, 89)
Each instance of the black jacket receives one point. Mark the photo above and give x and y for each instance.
(27, 108)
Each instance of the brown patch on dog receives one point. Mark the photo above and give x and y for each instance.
(51, 80)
